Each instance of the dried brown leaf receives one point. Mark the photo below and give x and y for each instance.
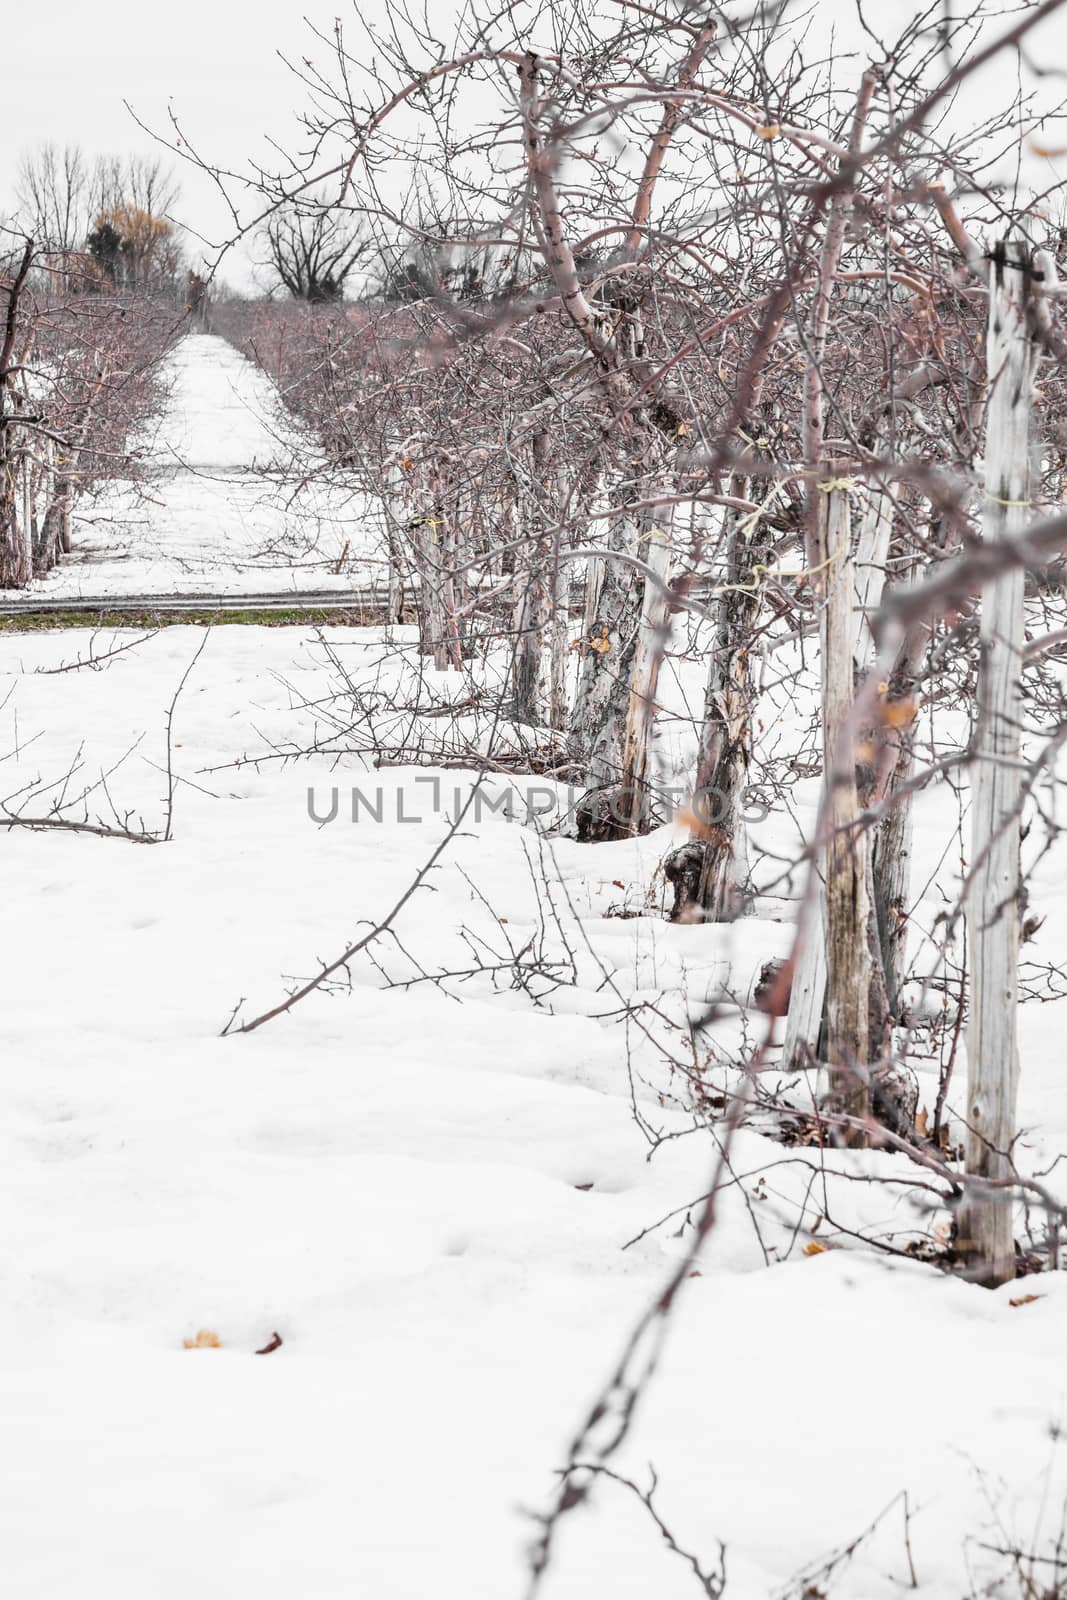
(204, 1340)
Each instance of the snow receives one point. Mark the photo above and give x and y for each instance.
(451, 1197)
(397, 1181)
(233, 499)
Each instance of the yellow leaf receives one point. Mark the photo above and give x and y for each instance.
(898, 713)
(1026, 1300)
(700, 827)
(814, 1248)
(769, 130)
(922, 1124)
(205, 1340)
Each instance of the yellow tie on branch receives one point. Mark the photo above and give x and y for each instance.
(760, 573)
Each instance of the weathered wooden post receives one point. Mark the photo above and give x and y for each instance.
(984, 1221)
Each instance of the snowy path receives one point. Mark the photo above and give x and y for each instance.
(219, 509)
(429, 1202)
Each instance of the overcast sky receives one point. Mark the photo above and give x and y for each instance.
(72, 63)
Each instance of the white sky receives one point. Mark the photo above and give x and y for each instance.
(72, 63)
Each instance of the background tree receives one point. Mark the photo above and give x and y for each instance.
(57, 192)
(134, 248)
(61, 195)
(313, 249)
(77, 376)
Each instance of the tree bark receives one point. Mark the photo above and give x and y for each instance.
(652, 630)
(705, 872)
(16, 563)
(535, 579)
(601, 702)
(888, 858)
(848, 958)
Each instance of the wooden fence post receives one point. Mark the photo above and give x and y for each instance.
(984, 1220)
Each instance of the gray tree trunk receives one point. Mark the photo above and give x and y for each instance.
(889, 858)
(652, 631)
(848, 956)
(16, 554)
(602, 700)
(893, 835)
(535, 594)
(559, 667)
(807, 1001)
(705, 872)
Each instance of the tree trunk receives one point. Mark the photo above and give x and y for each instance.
(16, 561)
(984, 1222)
(652, 631)
(887, 862)
(848, 959)
(836, 960)
(601, 703)
(559, 670)
(705, 872)
(535, 580)
(16, 558)
(394, 600)
(530, 667)
(621, 655)
(53, 531)
(889, 851)
(893, 836)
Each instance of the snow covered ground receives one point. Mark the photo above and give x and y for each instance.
(220, 509)
(428, 1193)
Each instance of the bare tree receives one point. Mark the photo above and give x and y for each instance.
(710, 285)
(15, 555)
(313, 249)
(76, 376)
(57, 195)
(62, 194)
